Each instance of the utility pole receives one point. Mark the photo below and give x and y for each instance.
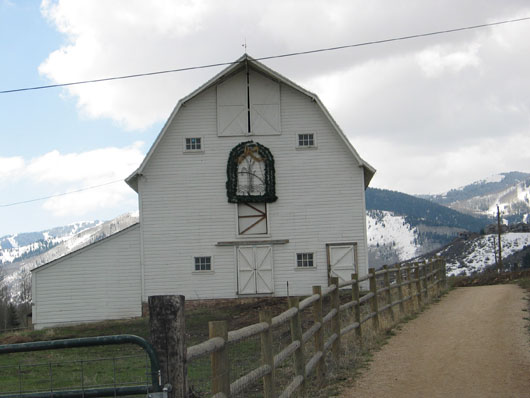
(495, 252)
(499, 232)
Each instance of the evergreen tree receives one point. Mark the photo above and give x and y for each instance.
(12, 317)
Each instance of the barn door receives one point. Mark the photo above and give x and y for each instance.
(342, 260)
(254, 267)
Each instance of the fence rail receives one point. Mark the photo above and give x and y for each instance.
(421, 280)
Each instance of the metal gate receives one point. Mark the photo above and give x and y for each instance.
(152, 387)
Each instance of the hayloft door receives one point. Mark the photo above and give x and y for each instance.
(254, 267)
(342, 260)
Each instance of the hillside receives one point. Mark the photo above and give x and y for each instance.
(466, 256)
(511, 191)
(22, 252)
(402, 226)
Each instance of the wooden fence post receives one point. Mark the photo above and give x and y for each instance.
(438, 275)
(219, 359)
(426, 280)
(409, 285)
(267, 355)
(399, 281)
(388, 293)
(296, 334)
(374, 305)
(319, 335)
(168, 337)
(355, 297)
(335, 321)
(417, 275)
(444, 271)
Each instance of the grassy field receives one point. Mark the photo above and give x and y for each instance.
(127, 364)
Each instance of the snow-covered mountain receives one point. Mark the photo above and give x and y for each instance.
(474, 254)
(511, 191)
(21, 253)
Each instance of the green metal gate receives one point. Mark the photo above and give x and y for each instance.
(152, 388)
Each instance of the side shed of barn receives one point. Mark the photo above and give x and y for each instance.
(98, 282)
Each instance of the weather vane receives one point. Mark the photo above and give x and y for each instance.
(244, 45)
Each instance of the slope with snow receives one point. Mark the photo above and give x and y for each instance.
(18, 270)
(390, 238)
(477, 254)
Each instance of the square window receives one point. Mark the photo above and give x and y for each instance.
(304, 260)
(306, 140)
(203, 263)
(193, 144)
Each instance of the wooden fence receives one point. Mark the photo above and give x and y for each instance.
(389, 287)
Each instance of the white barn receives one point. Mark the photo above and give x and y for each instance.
(250, 186)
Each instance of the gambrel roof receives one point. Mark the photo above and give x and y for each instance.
(247, 61)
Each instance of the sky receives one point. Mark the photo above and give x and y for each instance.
(430, 114)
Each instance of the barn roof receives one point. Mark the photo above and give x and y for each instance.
(241, 62)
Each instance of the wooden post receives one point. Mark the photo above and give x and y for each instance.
(444, 270)
(426, 280)
(438, 276)
(318, 339)
(267, 355)
(219, 359)
(399, 281)
(355, 297)
(296, 334)
(335, 321)
(417, 275)
(374, 305)
(168, 337)
(409, 285)
(388, 293)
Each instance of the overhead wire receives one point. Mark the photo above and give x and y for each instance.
(293, 54)
(59, 194)
(136, 75)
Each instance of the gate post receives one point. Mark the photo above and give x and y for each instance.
(168, 337)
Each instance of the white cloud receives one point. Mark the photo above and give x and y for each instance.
(441, 100)
(56, 173)
(96, 166)
(11, 167)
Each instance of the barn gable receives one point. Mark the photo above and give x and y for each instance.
(263, 99)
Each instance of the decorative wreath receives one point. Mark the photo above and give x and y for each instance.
(259, 153)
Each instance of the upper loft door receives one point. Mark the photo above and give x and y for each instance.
(248, 103)
(342, 260)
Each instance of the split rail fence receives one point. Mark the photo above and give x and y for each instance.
(389, 287)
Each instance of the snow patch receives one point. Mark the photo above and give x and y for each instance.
(385, 228)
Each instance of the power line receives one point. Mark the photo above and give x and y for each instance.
(368, 43)
(59, 194)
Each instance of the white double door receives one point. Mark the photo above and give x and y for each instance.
(254, 269)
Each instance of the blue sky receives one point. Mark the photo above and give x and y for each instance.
(429, 114)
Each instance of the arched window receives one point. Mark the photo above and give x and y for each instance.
(250, 172)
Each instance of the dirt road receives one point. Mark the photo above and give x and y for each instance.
(473, 343)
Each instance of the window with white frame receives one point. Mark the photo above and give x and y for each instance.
(193, 144)
(306, 140)
(305, 260)
(203, 263)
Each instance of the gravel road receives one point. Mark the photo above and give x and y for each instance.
(473, 343)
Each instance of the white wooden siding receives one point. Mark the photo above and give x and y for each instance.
(185, 209)
(101, 281)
